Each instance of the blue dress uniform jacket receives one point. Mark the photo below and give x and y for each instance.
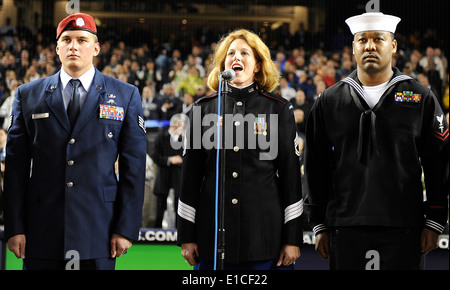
(364, 166)
(263, 199)
(61, 189)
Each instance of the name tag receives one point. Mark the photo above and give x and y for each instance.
(111, 112)
(40, 116)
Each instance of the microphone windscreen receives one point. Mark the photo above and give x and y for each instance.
(228, 74)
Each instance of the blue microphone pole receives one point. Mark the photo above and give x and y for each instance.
(219, 254)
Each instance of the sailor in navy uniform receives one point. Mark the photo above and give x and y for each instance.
(62, 197)
(263, 200)
(368, 140)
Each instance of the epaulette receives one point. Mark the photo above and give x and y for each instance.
(206, 98)
(273, 96)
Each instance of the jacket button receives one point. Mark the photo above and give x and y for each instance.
(239, 103)
(69, 184)
(70, 162)
(236, 148)
(235, 175)
(234, 201)
(72, 141)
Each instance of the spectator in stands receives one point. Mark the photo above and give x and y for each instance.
(300, 122)
(423, 79)
(2, 169)
(189, 82)
(302, 37)
(188, 102)
(152, 76)
(328, 75)
(11, 76)
(3, 46)
(6, 106)
(3, 137)
(200, 92)
(286, 91)
(306, 84)
(290, 73)
(4, 93)
(438, 54)
(320, 87)
(170, 103)
(177, 74)
(192, 62)
(280, 61)
(32, 74)
(169, 162)
(346, 68)
(445, 98)
(300, 102)
(108, 71)
(136, 75)
(294, 55)
(300, 65)
(433, 64)
(8, 31)
(151, 103)
(123, 77)
(197, 52)
(3, 67)
(114, 62)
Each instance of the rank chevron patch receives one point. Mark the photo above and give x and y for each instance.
(442, 136)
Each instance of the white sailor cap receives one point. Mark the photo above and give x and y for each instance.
(372, 21)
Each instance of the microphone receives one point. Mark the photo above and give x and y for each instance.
(228, 74)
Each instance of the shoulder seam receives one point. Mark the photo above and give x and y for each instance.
(272, 97)
(205, 97)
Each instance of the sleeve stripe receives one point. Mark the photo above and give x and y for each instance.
(293, 211)
(319, 228)
(434, 225)
(185, 211)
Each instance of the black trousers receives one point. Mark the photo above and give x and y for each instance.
(375, 248)
(161, 206)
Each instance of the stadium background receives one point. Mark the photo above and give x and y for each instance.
(164, 24)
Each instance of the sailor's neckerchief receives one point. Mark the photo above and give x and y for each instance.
(368, 115)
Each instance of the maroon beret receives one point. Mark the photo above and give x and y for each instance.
(77, 21)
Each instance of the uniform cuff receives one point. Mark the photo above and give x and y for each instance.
(318, 229)
(434, 226)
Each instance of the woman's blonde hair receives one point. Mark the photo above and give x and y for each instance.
(267, 77)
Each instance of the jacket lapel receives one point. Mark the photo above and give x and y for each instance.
(92, 102)
(55, 101)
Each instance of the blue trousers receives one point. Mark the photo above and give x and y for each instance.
(93, 264)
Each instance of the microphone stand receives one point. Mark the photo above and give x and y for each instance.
(221, 193)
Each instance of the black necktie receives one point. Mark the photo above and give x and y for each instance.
(74, 106)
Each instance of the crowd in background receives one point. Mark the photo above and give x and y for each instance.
(170, 77)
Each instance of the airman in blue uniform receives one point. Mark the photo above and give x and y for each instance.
(62, 195)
